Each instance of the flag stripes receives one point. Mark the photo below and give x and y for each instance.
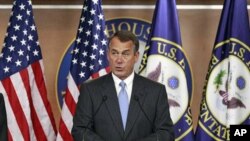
(17, 99)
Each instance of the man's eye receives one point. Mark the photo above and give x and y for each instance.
(125, 54)
(114, 53)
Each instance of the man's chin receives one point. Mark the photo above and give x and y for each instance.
(119, 74)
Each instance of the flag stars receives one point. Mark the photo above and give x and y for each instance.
(25, 32)
(78, 40)
(76, 51)
(98, 27)
(20, 52)
(9, 59)
(95, 1)
(6, 69)
(96, 36)
(35, 53)
(84, 53)
(28, 12)
(23, 42)
(14, 38)
(16, 27)
(18, 63)
(33, 27)
(91, 67)
(28, 47)
(90, 22)
(100, 62)
(92, 57)
(19, 17)
(100, 16)
(82, 19)
(88, 33)
(29, 2)
(89, 43)
(86, 43)
(30, 37)
(94, 46)
(74, 61)
(22, 7)
(26, 22)
(101, 52)
(11, 48)
(85, 8)
(80, 30)
(104, 42)
(92, 11)
(82, 74)
(83, 64)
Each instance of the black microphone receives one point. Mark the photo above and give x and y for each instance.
(104, 98)
(152, 124)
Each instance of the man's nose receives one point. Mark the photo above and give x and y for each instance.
(119, 58)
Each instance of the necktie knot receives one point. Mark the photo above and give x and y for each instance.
(122, 84)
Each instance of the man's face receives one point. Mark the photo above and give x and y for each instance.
(122, 57)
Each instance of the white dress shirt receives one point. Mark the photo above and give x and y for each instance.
(129, 84)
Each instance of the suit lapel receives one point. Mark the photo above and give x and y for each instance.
(134, 108)
(112, 103)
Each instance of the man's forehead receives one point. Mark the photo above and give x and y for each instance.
(120, 49)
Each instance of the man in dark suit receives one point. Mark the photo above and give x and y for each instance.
(3, 120)
(122, 106)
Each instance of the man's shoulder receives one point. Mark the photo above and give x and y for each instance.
(97, 81)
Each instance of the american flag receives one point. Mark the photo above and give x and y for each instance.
(88, 61)
(22, 82)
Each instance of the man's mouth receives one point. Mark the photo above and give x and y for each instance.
(118, 68)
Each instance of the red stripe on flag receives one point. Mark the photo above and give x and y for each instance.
(107, 69)
(17, 108)
(36, 67)
(40, 135)
(70, 102)
(9, 136)
(64, 132)
(95, 75)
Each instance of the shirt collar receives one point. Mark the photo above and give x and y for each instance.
(128, 80)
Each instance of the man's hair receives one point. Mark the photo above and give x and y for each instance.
(124, 36)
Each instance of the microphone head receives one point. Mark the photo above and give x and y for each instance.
(104, 98)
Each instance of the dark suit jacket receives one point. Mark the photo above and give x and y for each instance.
(3, 120)
(98, 117)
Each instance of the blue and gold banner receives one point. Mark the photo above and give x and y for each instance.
(165, 61)
(226, 93)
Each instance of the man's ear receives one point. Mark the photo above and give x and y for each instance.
(137, 54)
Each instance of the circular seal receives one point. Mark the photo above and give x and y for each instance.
(167, 64)
(227, 95)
